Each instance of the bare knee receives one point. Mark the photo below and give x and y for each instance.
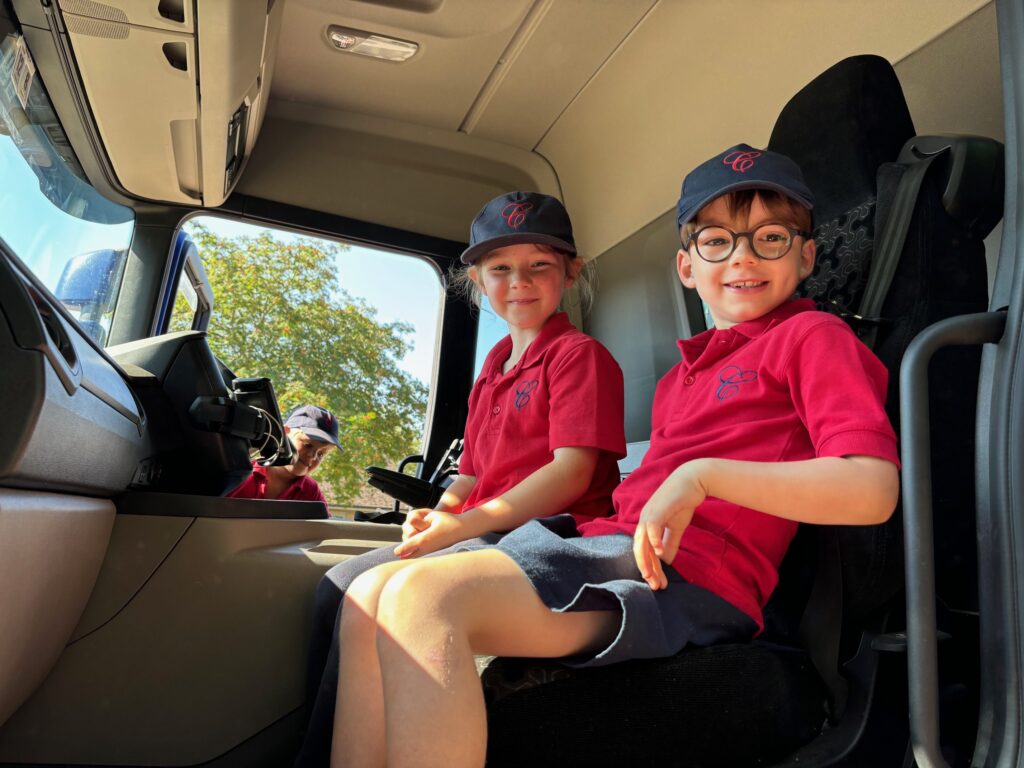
(361, 599)
(423, 590)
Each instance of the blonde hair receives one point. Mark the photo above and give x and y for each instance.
(462, 284)
(738, 203)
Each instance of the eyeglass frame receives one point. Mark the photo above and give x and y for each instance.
(793, 234)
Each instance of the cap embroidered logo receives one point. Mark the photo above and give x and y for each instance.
(741, 162)
(514, 214)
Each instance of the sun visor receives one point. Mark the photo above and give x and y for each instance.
(177, 90)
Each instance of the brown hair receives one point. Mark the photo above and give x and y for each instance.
(784, 207)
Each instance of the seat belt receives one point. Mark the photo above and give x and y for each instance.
(889, 247)
(821, 624)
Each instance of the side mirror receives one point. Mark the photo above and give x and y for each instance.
(87, 287)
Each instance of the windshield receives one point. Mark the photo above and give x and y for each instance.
(70, 236)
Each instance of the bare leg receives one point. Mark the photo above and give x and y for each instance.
(359, 715)
(432, 617)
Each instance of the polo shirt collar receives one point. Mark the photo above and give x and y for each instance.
(761, 325)
(556, 325)
(692, 348)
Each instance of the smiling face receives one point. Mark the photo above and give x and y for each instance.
(744, 287)
(524, 284)
(309, 452)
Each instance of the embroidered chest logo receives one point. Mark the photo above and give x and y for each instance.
(741, 161)
(523, 390)
(514, 214)
(732, 377)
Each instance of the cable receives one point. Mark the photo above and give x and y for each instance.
(266, 462)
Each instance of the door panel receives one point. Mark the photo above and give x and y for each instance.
(208, 651)
(51, 548)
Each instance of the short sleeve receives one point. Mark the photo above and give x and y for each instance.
(586, 401)
(466, 458)
(838, 388)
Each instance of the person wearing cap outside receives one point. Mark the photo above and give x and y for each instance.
(773, 417)
(314, 433)
(543, 434)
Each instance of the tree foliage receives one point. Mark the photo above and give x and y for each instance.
(279, 312)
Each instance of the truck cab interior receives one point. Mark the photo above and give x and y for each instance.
(149, 621)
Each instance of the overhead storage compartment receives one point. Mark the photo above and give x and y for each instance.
(177, 91)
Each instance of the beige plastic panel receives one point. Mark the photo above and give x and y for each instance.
(533, 82)
(231, 48)
(137, 547)
(953, 84)
(622, 147)
(399, 175)
(143, 13)
(459, 45)
(209, 651)
(145, 108)
(51, 548)
(165, 139)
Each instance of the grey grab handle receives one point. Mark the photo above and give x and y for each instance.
(918, 540)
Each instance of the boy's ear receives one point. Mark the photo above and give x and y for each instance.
(808, 253)
(684, 266)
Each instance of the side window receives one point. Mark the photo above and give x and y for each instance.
(347, 327)
(490, 330)
(185, 309)
(193, 300)
(72, 238)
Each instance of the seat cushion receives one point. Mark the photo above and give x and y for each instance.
(727, 705)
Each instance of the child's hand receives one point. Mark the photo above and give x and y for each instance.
(428, 532)
(664, 518)
(415, 521)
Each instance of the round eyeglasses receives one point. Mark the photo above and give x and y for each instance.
(768, 241)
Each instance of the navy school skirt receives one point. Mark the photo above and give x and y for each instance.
(598, 573)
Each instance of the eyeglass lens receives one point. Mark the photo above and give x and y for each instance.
(769, 241)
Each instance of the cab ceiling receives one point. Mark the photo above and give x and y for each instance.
(606, 102)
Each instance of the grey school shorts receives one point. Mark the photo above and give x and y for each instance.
(599, 573)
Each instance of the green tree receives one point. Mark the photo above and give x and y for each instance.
(279, 312)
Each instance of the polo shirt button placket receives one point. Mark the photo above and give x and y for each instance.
(688, 380)
(496, 410)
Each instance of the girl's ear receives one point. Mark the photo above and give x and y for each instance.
(573, 267)
(684, 266)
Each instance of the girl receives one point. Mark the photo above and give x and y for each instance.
(543, 433)
(752, 432)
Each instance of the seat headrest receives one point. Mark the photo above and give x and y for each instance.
(841, 127)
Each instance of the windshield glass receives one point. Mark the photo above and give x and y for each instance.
(70, 236)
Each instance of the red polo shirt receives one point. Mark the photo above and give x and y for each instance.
(565, 391)
(794, 384)
(304, 488)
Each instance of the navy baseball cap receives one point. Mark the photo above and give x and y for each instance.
(519, 217)
(740, 167)
(315, 422)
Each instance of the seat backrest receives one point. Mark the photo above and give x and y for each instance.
(846, 130)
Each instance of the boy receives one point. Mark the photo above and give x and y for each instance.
(314, 433)
(774, 417)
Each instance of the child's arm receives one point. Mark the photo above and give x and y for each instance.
(544, 492)
(850, 490)
(455, 495)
